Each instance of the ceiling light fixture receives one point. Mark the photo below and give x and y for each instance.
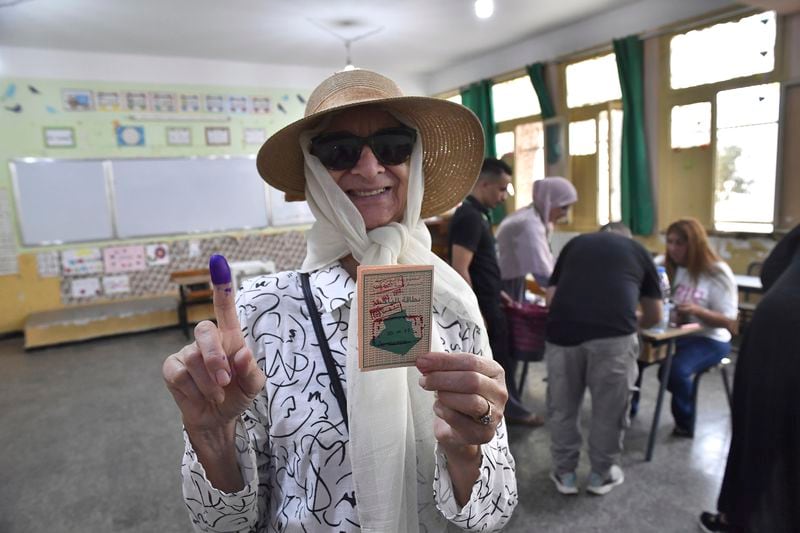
(347, 40)
(484, 8)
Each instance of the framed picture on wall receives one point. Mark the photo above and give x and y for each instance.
(218, 136)
(179, 136)
(215, 103)
(130, 136)
(163, 102)
(77, 100)
(190, 102)
(260, 104)
(59, 137)
(255, 136)
(137, 101)
(108, 101)
(237, 104)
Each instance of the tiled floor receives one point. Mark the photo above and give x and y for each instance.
(90, 442)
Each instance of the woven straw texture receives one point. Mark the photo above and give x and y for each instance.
(452, 137)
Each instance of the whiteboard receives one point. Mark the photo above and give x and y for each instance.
(61, 201)
(174, 196)
(288, 213)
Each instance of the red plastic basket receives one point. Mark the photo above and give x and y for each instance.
(526, 327)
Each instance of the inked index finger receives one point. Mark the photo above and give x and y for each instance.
(440, 361)
(224, 304)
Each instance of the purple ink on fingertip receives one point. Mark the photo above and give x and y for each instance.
(220, 271)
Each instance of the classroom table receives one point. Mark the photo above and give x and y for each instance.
(748, 284)
(194, 287)
(657, 338)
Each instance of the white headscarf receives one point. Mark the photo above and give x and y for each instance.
(386, 407)
(553, 191)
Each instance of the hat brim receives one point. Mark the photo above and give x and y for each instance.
(452, 143)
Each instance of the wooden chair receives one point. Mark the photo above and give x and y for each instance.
(194, 287)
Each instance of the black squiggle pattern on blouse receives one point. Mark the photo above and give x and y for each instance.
(292, 442)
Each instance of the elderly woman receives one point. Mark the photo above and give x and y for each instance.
(283, 432)
(523, 238)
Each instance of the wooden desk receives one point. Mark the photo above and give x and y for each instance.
(657, 338)
(194, 287)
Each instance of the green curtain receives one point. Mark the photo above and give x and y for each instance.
(637, 196)
(552, 133)
(478, 99)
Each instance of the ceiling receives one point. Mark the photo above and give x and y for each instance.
(417, 36)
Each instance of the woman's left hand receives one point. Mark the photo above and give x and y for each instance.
(471, 395)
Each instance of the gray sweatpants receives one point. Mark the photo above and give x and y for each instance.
(608, 368)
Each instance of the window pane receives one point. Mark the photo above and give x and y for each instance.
(723, 51)
(745, 176)
(528, 161)
(609, 153)
(593, 81)
(514, 99)
(691, 125)
(758, 104)
(504, 143)
(455, 98)
(583, 137)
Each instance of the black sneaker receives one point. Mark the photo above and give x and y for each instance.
(683, 432)
(712, 522)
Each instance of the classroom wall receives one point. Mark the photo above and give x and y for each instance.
(29, 105)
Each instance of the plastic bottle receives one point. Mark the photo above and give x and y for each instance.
(663, 280)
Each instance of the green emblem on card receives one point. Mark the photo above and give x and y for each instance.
(397, 335)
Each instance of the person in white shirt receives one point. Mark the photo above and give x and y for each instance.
(282, 430)
(703, 291)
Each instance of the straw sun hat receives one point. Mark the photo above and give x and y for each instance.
(452, 137)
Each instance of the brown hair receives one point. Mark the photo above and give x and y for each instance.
(700, 258)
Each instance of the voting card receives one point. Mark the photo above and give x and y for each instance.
(394, 320)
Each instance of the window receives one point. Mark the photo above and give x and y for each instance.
(746, 158)
(609, 158)
(456, 98)
(528, 160)
(504, 143)
(514, 99)
(593, 81)
(723, 51)
(583, 137)
(690, 125)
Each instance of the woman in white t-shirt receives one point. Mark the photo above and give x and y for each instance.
(704, 291)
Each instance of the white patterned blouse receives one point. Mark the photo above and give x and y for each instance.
(292, 442)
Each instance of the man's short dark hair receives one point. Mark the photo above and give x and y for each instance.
(493, 169)
(617, 227)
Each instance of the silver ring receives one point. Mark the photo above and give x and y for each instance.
(486, 418)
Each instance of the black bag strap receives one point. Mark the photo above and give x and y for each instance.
(336, 382)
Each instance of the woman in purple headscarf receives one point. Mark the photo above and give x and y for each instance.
(523, 238)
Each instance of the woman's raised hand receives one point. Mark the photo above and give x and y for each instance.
(215, 378)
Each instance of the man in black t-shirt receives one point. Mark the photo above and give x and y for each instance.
(474, 257)
(592, 341)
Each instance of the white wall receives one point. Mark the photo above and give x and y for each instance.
(638, 17)
(91, 66)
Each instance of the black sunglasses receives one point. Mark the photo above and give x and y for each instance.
(341, 150)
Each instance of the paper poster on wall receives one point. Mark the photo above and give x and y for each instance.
(179, 136)
(190, 103)
(218, 136)
(116, 284)
(215, 103)
(82, 261)
(85, 287)
(130, 135)
(194, 248)
(136, 101)
(237, 104)
(164, 102)
(49, 264)
(8, 242)
(59, 137)
(283, 213)
(260, 104)
(109, 101)
(157, 254)
(77, 100)
(255, 136)
(124, 259)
